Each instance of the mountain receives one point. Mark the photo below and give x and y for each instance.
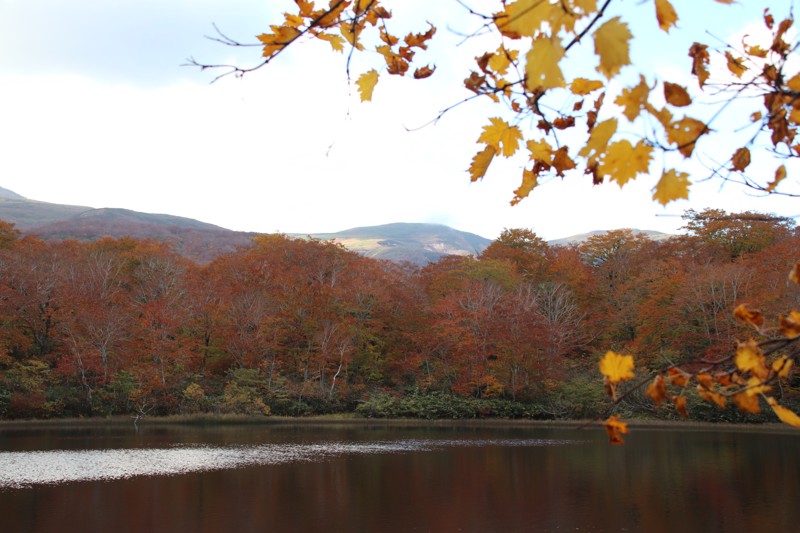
(200, 241)
(582, 237)
(416, 243)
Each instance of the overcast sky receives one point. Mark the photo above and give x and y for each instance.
(97, 110)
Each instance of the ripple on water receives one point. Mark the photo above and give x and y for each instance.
(25, 469)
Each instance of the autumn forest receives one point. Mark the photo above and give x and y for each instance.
(296, 327)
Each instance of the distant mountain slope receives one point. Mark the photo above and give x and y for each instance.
(416, 243)
(191, 238)
(28, 214)
(582, 237)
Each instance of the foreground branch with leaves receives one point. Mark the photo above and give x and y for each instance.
(753, 373)
(566, 89)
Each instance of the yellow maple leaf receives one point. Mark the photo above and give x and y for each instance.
(673, 185)
(337, 43)
(501, 59)
(480, 163)
(633, 99)
(735, 64)
(623, 161)
(502, 136)
(540, 150)
(615, 429)
(666, 15)
(616, 367)
(366, 84)
(598, 140)
(612, 46)
(786, 415)
(279, 39)
(524, 18)
(750, 358)
(529, 182)
(684, 133)
(582, 86)
(542, 70)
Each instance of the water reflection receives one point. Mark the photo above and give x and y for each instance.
(424, 479)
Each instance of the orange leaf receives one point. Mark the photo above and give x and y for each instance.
(794, 275)
(530, 180)
(786, 415)
(676, 95)
(747, 403)
(711, 396)
(615, 429)
(678, 377)
(657, 390)
(684, 133)
(749, 316)
(680, 406)
(780, 175)
(617, 367)
(790, 325)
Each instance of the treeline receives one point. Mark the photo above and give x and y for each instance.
(295, 327)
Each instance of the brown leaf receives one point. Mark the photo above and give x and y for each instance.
(424, 72)
(741, 159)
(676, 95)
(790, 325)
(678, 377)
(700, 59)
(794, 275)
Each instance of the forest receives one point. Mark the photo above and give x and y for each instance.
(298, 327)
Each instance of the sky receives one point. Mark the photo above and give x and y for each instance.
(97, 109)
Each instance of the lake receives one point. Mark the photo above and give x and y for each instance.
(395, 477)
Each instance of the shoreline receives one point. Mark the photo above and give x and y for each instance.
(349, 419)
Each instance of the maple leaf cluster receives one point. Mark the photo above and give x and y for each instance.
(744, 378)
(351, 22)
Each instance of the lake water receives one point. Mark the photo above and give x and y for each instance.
(385, 478)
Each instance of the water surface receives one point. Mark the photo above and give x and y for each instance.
(383, 478)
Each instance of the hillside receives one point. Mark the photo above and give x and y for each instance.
(202, 242)
(416, 243)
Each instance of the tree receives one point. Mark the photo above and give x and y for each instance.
(564, 85)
